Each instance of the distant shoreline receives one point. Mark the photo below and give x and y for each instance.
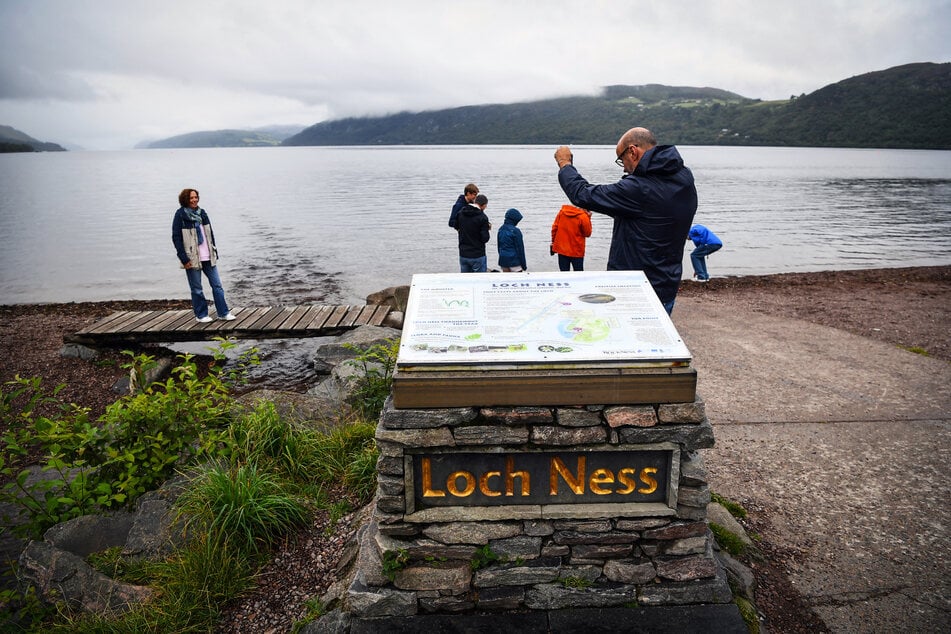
(734, 282)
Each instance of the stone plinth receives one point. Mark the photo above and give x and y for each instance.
(543, 508)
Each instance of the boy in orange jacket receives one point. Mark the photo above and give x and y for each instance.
(572, 225)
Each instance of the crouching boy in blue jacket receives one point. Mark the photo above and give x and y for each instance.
(706, 242)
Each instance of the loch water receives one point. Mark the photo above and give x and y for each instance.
(333, 224)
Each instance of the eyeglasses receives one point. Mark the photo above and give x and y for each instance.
(620, 157)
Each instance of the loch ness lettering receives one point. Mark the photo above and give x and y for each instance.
(517, 478)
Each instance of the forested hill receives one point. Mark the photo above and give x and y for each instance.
(260, 137)
(12, 140)
(902, 107)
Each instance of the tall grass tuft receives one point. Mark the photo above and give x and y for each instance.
(360, 474)
(335, 453)
(262, 437)
(246, 506)
(195, 582)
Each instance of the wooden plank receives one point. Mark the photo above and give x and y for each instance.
(108, 322)
(365, 313)
(104, 322)
(157, 316)
(296, 315)
(277, 319)
(132, 321)
(170, 318)
(185, 320)
(264, 322)
(202, 327)
(379, 315)
(304, 322)
(338, 313)
(540, 388)
(353, 312)
(265, 317)
(318, 320)
(247, 316)
(223, 326)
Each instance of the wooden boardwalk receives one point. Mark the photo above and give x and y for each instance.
(264, 322)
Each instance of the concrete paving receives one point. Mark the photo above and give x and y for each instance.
(845, 444)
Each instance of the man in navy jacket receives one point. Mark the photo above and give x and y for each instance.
(653, 206)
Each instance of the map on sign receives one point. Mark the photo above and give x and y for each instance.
(537, 319)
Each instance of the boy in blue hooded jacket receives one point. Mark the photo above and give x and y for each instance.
(511, 247)
(706, 242)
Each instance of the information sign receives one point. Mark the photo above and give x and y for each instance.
(551, 319)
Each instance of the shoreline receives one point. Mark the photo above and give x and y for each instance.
(734, 282)
(906, 307)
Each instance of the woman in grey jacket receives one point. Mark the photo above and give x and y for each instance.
(194, 243)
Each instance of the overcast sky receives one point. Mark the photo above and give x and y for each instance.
(107, 74)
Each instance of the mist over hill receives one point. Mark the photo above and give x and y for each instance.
(906, 106)
(268, 136)
(902, 107)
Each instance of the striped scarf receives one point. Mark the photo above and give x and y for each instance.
(194, 216)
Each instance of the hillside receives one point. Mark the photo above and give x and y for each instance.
(260, 137)
(12, 140)
(902, 107)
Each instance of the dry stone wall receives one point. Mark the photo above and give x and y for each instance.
(537, 557)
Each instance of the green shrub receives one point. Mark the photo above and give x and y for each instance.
(315, 609)
(260, 477)
(335, 452)
(372, 387)
(135, 446)
(360, 474)
(24, 611)
(193, 585)
(304, 455)
(748, 612)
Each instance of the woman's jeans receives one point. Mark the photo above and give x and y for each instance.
(199, 303)
(699, 263)
(565, 263)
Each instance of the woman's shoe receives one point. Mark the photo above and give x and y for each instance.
(228, 317)
(204, 320)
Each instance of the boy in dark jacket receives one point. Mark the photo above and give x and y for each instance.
(473, 226)
(509, 241)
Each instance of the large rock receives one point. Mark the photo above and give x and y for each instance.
(65, 576)
(337, 350)
(395, 296)
(57, 568)
(321, 406)
(89, 534)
